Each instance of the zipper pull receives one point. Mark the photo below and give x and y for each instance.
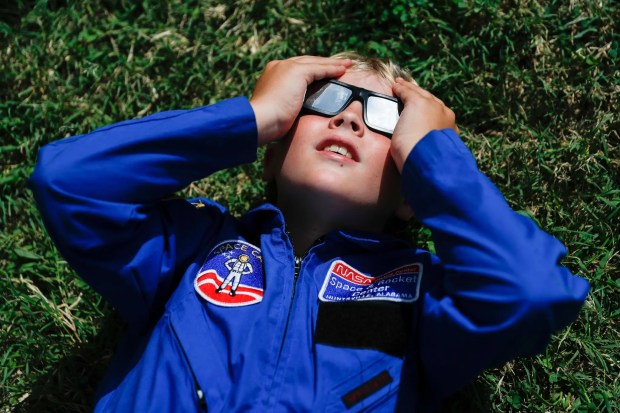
(298, 261)
(202, 403)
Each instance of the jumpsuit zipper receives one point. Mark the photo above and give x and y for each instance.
(298, 260)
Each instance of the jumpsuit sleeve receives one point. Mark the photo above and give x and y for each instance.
(102, 198)
(498, 289)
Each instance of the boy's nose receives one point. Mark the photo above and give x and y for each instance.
(351, 117)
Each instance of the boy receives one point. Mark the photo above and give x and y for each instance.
(307, 305)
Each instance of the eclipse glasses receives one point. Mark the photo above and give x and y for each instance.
(330, 97)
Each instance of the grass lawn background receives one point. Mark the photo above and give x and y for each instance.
(534, 84)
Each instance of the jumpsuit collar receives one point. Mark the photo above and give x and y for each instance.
(267, 217)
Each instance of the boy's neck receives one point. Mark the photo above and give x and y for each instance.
(307, 222)
(302, 240)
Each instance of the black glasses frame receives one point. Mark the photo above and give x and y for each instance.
(357, 93)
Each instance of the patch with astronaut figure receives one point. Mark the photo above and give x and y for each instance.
(232, 275)
(345, 283)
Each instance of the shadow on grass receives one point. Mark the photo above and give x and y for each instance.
(70, 385)
(474, 398)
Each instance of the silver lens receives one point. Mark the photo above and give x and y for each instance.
(329, 99)
(382, 113)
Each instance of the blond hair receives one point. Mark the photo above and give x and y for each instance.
(384, 68)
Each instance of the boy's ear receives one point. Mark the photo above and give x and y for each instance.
(404, 211)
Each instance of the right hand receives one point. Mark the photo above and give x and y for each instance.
(423, 112)
(280, 90)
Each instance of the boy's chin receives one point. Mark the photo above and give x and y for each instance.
(332, 203)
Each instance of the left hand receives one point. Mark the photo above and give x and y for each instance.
(280, 90)
(422, 113)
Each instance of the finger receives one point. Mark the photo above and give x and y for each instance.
(406, 86)
(415, 88)
(325, 71)
(407, 91)
(317, 59)
(404, 82)
(313, 68)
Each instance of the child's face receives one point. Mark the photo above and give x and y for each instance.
(361, 178)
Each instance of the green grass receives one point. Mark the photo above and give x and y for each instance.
(535, 86)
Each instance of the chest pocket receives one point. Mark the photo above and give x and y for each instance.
(379, 325)
(357, 310)
(375, 389)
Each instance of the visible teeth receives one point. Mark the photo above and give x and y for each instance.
(340, 150)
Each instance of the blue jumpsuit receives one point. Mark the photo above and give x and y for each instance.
(362, 322)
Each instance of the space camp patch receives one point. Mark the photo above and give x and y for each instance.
(345, 283)
(232, 275)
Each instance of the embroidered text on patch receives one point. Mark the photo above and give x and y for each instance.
(345, 283)
(232, 275)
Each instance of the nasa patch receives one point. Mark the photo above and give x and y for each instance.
(345, 283)
(232, 275)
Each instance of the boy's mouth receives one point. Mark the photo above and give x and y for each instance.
(339, 147)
